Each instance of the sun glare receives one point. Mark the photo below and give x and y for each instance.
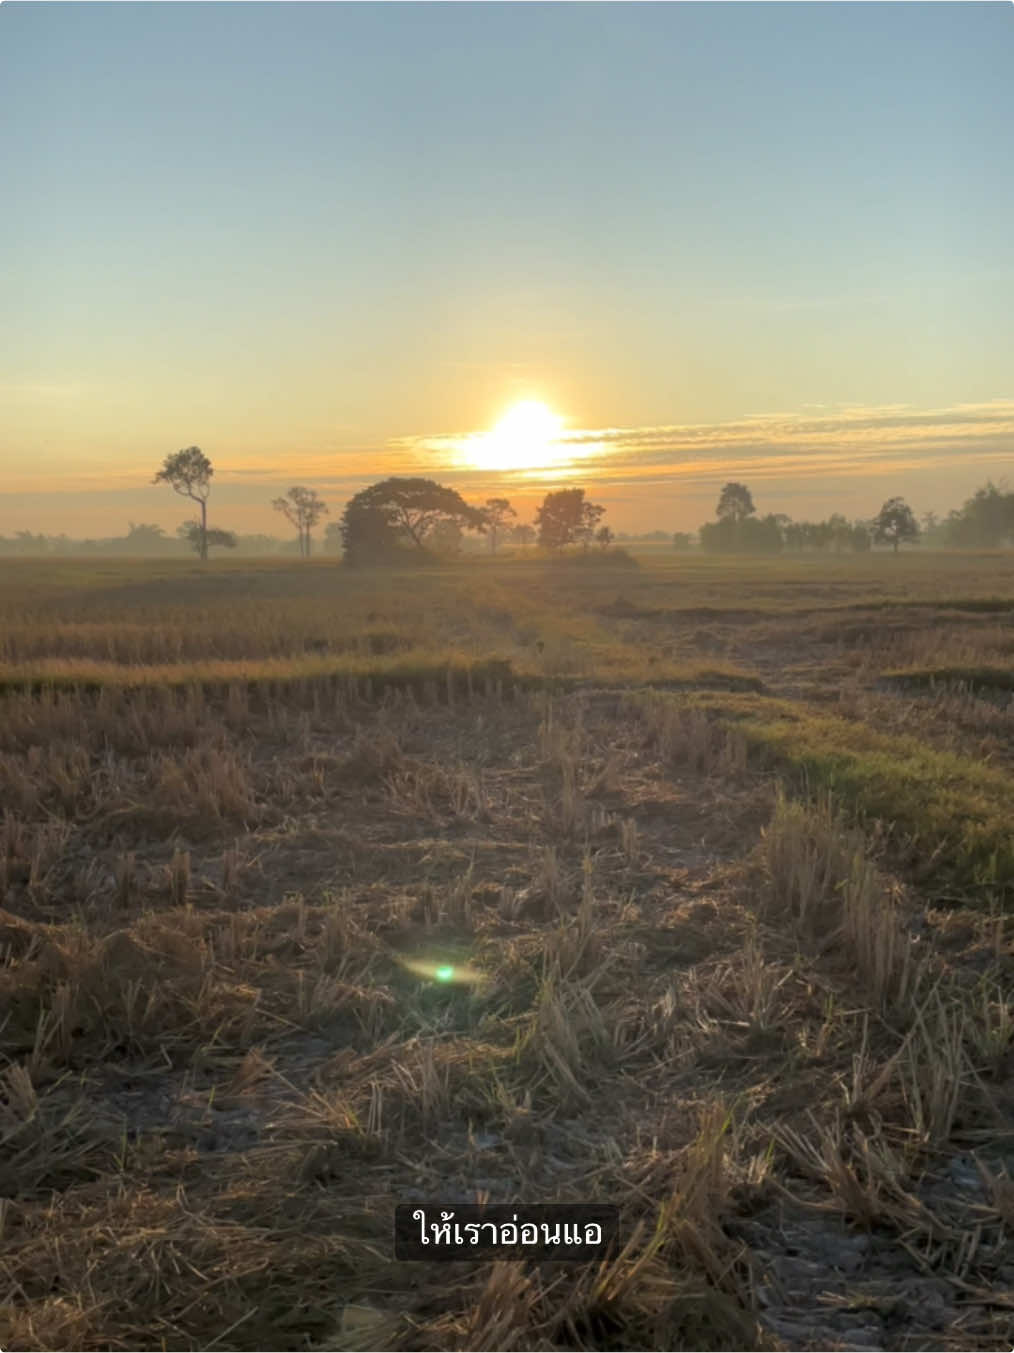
(525, 438)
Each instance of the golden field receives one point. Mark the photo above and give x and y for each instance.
(727, 843)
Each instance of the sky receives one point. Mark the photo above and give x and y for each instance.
(332, 243)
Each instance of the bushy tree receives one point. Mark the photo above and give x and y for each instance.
(304, 508)
(144, 538)
(836, 533)
(497, 512)
(761, 535)
(523, 534)
(201, 537)
(750, 536)
(682, 540)
(839, 532)
(604, 537)
(895, 523)
(591, 515)
(565, 517)
(735, 503)
(985, 520)
(395, 516)
(188, 473)
(860, 538)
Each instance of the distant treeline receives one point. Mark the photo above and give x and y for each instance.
(984, 521)
(142, 539)
(145, 539)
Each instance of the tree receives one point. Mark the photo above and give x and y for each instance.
(333, 538)
(839, 531)
(591, 515)
(860, 537)
(735, 503)
(444, 537)
(522, 534)
(565, 517)
(144, 538)
(397, 515)
(495, 512)
(682, 540)
(895, 523)
(718, 536)
(304, 508)
(760, 535)
(986, 519)
(188, 473)
(201, 537)
(604, 537)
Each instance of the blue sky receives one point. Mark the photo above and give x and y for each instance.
(312, 237)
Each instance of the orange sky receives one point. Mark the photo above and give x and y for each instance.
(330, 243)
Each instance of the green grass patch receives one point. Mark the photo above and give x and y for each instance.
(955, 815)
(367, 676)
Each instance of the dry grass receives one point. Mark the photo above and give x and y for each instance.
(734, 1012)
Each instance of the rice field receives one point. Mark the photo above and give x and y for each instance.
(718, 852)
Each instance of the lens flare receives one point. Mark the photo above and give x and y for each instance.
(447, 974)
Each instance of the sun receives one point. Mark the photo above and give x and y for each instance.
(525, 438)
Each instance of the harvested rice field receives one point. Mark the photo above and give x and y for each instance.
(717, 857)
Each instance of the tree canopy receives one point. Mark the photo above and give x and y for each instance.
(986, 519)
(188, 473)
(565, 517)
(201, 539)
(496, 512)
(396, 515)
(735, 503)
(895, 523)
(303, 508)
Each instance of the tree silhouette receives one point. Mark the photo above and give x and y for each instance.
(895, 523)
(143, 537)
(201, 537)
(387, 517)
(304, 508)
(735, 503)
(496, 512)
(987, 518)
(565, 517)
(523, 534)
(591, 515)
(188, 473)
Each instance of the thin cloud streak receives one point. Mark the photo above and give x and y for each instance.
(789, 453)
(850, 440)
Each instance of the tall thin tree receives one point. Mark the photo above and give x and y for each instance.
(304, 508)
(496, 513)
(188, 473)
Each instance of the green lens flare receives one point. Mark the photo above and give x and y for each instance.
(445, 973)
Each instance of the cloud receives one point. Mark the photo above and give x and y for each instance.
(846, 440)
(804, 455)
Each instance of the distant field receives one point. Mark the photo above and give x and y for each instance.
(725, 849)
